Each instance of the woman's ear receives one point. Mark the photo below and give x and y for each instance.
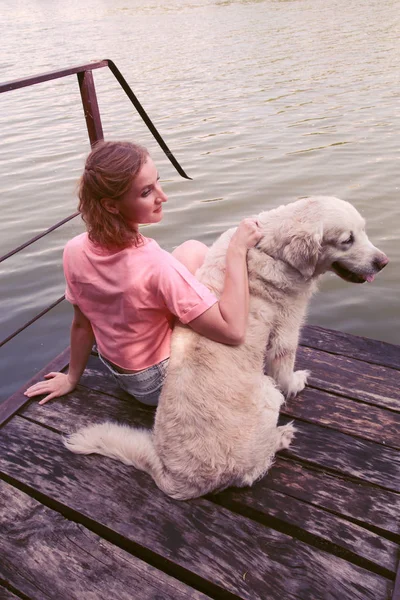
(110, 205)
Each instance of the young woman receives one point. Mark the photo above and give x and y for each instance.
(126, 291)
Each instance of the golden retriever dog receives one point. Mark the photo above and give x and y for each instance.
(216, 422)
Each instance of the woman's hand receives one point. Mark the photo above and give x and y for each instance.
(247, 234)
(58, 384)
(226, 321)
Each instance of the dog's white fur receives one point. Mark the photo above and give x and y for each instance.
(216, 423)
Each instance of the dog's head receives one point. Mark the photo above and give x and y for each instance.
(321, 233)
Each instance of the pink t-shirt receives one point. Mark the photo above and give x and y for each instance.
(131, 297)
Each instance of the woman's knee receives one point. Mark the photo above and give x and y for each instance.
(192, 254)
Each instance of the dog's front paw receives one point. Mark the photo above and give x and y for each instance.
(286, 433)
(297, 383)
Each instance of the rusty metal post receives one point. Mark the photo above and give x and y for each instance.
(90, 106)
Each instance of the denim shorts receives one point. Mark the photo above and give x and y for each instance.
(144, 385)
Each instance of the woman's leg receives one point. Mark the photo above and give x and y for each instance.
(192, 254)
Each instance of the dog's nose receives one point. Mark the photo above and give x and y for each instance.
(381, 262)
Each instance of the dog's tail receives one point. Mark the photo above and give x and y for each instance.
(131, 446)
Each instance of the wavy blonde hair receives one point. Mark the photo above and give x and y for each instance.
(109, 171)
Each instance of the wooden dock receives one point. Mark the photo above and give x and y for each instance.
(323, 524)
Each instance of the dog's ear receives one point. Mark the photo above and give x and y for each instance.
(302, 251)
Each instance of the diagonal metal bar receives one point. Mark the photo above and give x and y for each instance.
(37, 237)
(123, 83)
(35, 318)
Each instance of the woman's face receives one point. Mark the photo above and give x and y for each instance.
(143, 201)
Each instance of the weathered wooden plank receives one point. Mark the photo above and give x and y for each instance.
(44, 555)
(347, 498)
(378, 386)
(94, 406)
(337, 342)
(84, 406)
(18, 400)
(371, 384)
(369, 422)
(359, 501)
(396, 592)
(347, 455)
(5, 594)
(202, 541)
(314, 525)
(353, 378)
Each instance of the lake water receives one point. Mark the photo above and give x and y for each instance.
(261, 101)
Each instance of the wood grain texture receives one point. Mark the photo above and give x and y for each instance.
(373, 384)
(5, 594)
(344, 414)
(370, 422)
(396, 592)
(347, 455)
(354, 500)
(361, 348)
(307, 522)
(229, 551)
(84, 406)
(44, 555)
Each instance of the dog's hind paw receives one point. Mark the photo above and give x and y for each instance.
(297, 383)
(286, 435)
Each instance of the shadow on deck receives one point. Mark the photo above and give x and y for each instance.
(323, 523)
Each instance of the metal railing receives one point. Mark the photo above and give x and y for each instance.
(95, 132)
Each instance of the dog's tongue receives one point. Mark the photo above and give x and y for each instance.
(370, 278)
